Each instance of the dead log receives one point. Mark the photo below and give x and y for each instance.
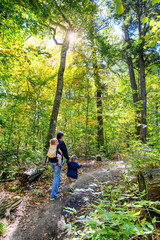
(9, 205)
(149, 182)
(31, 175)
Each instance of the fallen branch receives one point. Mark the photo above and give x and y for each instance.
(9, 205)
(7, 180)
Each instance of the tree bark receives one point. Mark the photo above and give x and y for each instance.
(142, 71)
(87, 111)
(149, 181)
(100, 119)
(131, 70)
(57, 100)
(143, 95)
(100, 134)
(133, 83)
(157, 112)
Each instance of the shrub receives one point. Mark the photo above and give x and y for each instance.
(115, 217)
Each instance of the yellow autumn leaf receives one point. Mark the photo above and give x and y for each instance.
(145, 19)
(152, 22)
(154, 29)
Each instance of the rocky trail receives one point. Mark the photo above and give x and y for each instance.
(48, 220)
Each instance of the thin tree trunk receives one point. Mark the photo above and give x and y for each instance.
(57, 100)
(100, 119)
(100, 133)
(34, 124)
(143, 96)
(142, 72)
(11, 127)
(156, 112)
(131, 70)
(133, 83)
(18, 160)
(87, 110)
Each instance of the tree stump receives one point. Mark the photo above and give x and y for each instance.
(149, 181)
(98, 157)
(31, 175)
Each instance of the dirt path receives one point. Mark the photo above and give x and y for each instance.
(48, 222)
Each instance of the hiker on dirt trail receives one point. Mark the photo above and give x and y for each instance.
(54, 157)
(72, 172)
(61, 147)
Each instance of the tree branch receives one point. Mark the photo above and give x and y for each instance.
(115, 72)
(28, 38)
(54, 37)
(145, 9)
(149, 69)
(147, 57)
(58, 24)
(63, 16)
(54, 30)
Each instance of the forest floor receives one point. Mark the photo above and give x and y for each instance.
(38, 218)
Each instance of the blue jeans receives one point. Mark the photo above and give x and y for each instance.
(56, 179)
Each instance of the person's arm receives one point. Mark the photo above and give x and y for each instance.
(64, 150)
(75, 165)
(60, 151)
(79, 166)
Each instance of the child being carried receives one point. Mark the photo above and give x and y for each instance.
(72, 172)
(54, 155)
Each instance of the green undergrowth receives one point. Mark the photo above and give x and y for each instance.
(119, 215)
(142, 156)
(1, 228)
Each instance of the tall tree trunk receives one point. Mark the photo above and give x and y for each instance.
(133, 83)
(157, 112)
(100, 119)
(131, 70)
(142, 69)
(100, 134)
(87, 111)
(57, 100)
(143, 96)
(34, 124)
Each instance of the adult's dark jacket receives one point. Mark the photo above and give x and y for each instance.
(72, 169)
(63, 148)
